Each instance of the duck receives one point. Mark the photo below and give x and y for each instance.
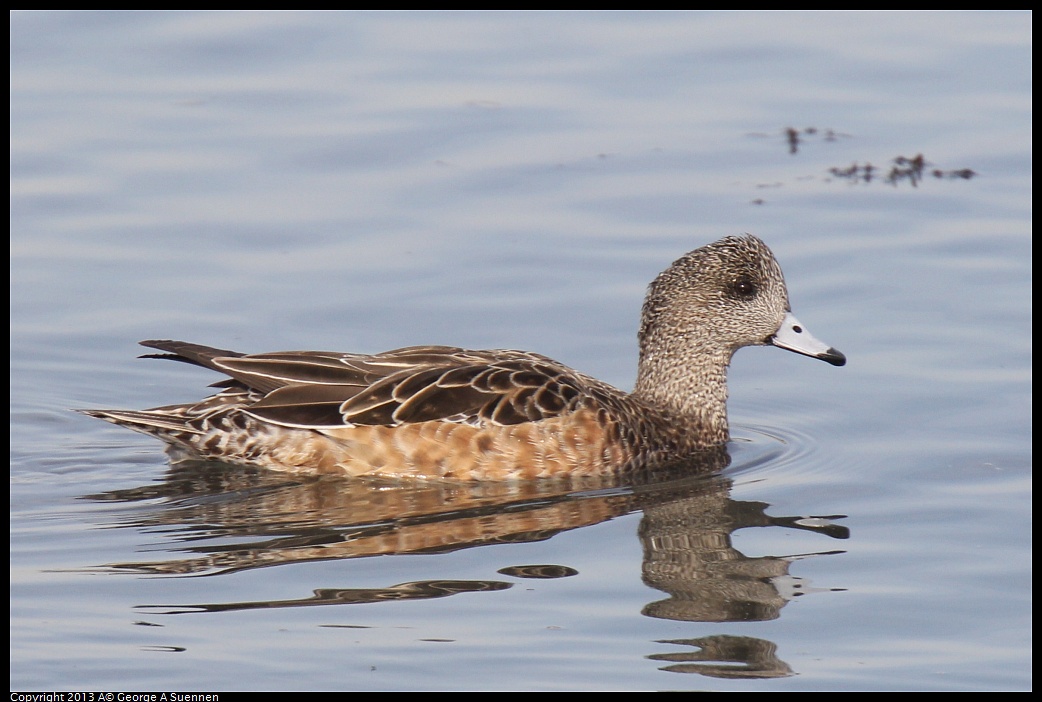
(448, 413)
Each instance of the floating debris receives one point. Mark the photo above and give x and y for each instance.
(904, 169)
(963, 173)
(855, 172)
(910, 169)
(901, 169)
(794, 137)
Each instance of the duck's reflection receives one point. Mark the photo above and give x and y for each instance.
(689, 555)
(725, 657)
(232, 519)
(421, 590)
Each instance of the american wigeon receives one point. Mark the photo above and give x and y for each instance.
(439, 412)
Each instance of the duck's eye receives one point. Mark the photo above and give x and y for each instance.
(743, 288)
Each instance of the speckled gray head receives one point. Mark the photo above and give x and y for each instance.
(723, 296)
(708, 304)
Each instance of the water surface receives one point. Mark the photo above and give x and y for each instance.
(360, 181)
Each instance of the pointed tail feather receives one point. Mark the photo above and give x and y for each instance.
(195, 354)
(154, 423)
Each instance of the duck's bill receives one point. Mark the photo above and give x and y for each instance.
(793, 336)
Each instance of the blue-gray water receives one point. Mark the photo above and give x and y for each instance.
(360, 181)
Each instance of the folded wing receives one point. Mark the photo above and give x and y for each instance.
(316, 389)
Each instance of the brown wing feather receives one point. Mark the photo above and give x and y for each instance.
(267, 371)
(415, 384)
(304, 405)
(499, 392)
